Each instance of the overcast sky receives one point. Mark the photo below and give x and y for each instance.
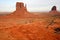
(32, 5)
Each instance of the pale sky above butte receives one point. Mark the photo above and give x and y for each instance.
(32, 5)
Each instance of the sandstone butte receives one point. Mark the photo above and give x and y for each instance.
(21, 12)
(54, 11)
(32, 31)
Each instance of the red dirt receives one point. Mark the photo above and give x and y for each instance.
(31, 31)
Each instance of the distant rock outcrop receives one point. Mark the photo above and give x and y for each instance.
(54, 11)
(54, 8)
(21, 12)
(20, 6)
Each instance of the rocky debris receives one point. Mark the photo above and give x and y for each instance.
(57, 30)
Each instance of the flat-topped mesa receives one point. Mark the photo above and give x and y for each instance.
(20, 6)
(20, 9)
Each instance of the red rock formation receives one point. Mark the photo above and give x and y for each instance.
(21, 11)
(19, 6)
(54, 8)
(54, 11)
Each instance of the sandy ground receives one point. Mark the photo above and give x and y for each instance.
(30, 28)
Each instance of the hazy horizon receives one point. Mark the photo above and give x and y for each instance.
(32, 5)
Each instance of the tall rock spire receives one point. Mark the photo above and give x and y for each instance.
(54, 8)
(54, 11)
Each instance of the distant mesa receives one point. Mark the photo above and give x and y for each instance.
(21, 11)
(20, 6)
(54, 11)
(54, 8)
